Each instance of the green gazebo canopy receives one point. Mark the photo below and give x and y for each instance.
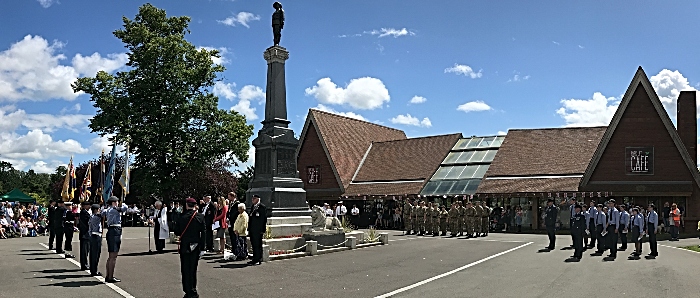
(16, 195)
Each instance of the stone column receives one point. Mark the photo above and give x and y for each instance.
(352, 242)
(312, 247)
(384, 238)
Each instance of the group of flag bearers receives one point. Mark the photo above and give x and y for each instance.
(427, 218)
(607, 225)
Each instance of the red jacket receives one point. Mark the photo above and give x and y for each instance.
(222, 217)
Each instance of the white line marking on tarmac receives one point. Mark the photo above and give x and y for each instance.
(450, 272)
(683, 249)
(99, 278)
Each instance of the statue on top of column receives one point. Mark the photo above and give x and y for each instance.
(277, 22)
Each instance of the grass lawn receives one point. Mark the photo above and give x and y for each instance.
(692, 247)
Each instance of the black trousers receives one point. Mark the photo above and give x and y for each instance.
(209, 242)
(52, 236)
(160, 243)
(601, 239)
(84, 252)
(95, 249)
(188, 269)
(623, 237)
(652, 242)
(59, 239)
(571, 231)
(578, 244)
(69, 239)
(552, 236)
(256, 243)
(592, 230)
(612, 240)
(674, 232)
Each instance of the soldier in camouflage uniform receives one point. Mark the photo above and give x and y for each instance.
(420, 218)
(429, 222)
(407, 222)
(470, 215)
(414, 220)
(477, 218)
(460, 219)
(485, 224)
(453, 218)
(443, 220)
(436, 219)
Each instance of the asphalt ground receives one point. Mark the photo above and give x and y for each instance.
(500, 265)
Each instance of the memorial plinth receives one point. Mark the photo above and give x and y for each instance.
(276, 179)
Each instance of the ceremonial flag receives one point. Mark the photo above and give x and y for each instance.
(124, 180)
(73, 186)
(87, 184)
(107, 191)
(65, 192)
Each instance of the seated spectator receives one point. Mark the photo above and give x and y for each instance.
(4, 225)
(31, 228)
(23, 231)
(41, 225)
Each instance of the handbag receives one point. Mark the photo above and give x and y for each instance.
(183, 233)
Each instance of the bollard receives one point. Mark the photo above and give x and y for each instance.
(384, 238)
(172, 238)
(312, 247)
(266, 253)
(352, 242)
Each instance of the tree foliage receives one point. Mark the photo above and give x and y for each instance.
(163, 106)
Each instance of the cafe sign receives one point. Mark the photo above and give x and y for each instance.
(639, 160)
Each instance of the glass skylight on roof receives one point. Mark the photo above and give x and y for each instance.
(454, 173)
(461, 144)
(444, 187)
(478, 156)
(473, 185)
(481, 171)
(468, 172)
(441, 173)
(487, 142)
(498, 141)
(490, 155)
(453, 157)
(430, 187)
(464, 158)
(458, 188)
(473, 142)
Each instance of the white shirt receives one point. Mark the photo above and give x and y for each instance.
(341, 210)
(4, 222)
(329, 212)
(355, 211)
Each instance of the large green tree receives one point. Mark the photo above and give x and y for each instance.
(162, 104)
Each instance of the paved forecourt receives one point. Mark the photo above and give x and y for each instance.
(501, 264)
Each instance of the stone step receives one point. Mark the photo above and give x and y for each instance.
(289, 220)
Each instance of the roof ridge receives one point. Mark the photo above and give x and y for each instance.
(350, 118)
(425, 137)
(557, 128)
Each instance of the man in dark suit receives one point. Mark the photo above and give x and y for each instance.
(206, 208)
(256, 228)
(51, 218)
(190, 226)
(83, 227)
(550, 221)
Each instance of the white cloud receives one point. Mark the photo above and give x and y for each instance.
(225, 90)
(556, 43)
(46, 3)
(517, 78)
(36, 145)
(418, 99)
(502, 133)
(243, 107)
(247, 94)
(581, 47)
(410, 120)
(30, 70)
(599, 109)
(383, 32)
(365, 93)
(324, 108)
(11, 119)
(465, 70)
(222, 54)
(668, 85)
(474, 106)
(41, 166)
(75, 107)
(98, 144)
(251, 93)
(241, 18)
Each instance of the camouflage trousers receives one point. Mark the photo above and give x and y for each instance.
(460, 225)
(407, 224)
(419, 225)
(443, 225)
(436, 225)
(484, 224)
(454, 225)
(477, 224)
(469, 225)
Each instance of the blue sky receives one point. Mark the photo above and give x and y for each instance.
(476, 67)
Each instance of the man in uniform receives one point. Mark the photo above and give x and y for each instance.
(51, 219)
(652, 222)
(623, 227)
(550, 221)
(428, 218)
(68, 229)
(613, 222)
(57, 224)
(407, 208)
(477, 218)
(257, 225)
(83, 227)
(206, 207)
(95, 234)
(420, 218)
(190, 226)
(600, 221)
(443, 220)
(436, 219)
(469, 215)
(592, 214)
(114, 235)
(485, 220)
(452, 217)
(460, 218)
(578, 227)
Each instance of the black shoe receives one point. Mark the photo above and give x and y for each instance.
(96, 274)
(84, 268)
(70, 256)
(112, 280)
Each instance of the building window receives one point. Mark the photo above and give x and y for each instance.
(313, 174)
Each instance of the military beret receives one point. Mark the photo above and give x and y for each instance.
(112, 199)
(191, 200)
(577, 206)
(550, 200)
(95, 206)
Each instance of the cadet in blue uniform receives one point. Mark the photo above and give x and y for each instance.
(623, 227)
(652, 223)
(601, 220)
(114, 235)
(84, 236)
(636, 230)
(550, 221)
(95, 234)
(578, 228)
(613, 222)
(590, 219)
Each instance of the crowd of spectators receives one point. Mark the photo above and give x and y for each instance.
(22, 220)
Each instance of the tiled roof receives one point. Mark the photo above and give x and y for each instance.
(347, 140)
(550, 151)
(409, 159)
(384, 188)
(528, 185)
(542, 152)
